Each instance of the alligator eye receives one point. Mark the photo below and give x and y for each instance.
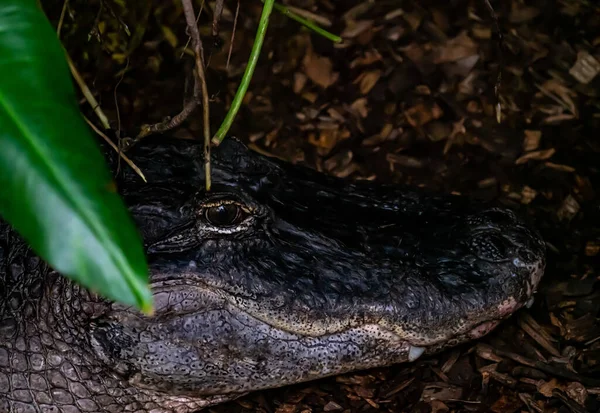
(223, 215)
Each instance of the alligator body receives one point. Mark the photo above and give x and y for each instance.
(279, 275)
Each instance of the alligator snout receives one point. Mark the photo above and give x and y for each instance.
(499, 236)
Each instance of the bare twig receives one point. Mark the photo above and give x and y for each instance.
(121, 154)
(116, 100)
(88, 94)
(235, 20)
(190, 18)
(500, 46)
(62, 17)
(200, 94)
(189, 38)
(217, 16)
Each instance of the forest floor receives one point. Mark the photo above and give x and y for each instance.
(407, 97)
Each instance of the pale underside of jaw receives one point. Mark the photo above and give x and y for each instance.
(390, 350)
(393, 343)
(307, 325)
(309, 357)
(406, 344)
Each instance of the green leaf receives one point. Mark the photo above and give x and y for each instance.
(57, 191)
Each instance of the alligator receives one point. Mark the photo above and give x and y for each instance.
(278, 275)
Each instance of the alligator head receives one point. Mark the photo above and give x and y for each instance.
(281, 274)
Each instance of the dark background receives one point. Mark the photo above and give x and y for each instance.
(408, 98)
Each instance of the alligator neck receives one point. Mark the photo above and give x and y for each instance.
(46, 358)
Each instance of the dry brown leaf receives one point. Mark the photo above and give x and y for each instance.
(554, 88)
(367, 80)
(386, 130)
(528, 194)
(367, 36)
(360, 106)
(373, 140)
(506, 404)
(474, 107)
(272, 136)
(315, 17)
(299, 82)
(393, 14)
(536, 155)
(336, 115)
(558, 118)
(406, 161)
(458, 48)
(357, 11)
(458, 128)
(394, 34)
(486, 352)
(559, 167)
(421, 114)
(438, 130)
(370, 57)
(545, 388)
(487, 182)
(531, 141)
(577, 392)
(310, 96)
(442, 392)
(332, 407)
(592, 248)
(481, 32)
(364, 392)
(413, 19)
(585, 68)
(319, 69)
(327, 139)
(286, 408)
(372, 403)
(521, 14)
(438, 407)
(346, 171)
(355, 28)
(568, 209)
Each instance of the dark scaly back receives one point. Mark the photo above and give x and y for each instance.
(22, 281)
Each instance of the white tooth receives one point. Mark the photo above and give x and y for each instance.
(415, 352)
(529, 303)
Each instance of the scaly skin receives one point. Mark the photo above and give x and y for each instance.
(279, 275)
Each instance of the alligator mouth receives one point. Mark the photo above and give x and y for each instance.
(411, 343)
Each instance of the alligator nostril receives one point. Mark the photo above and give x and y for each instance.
(490, 247)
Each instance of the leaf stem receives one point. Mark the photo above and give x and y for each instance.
(241, 92)
(190, 18)
(307, 23)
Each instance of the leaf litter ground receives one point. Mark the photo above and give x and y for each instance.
(408, 97)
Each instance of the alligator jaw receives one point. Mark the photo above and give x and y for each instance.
(210, 343)
(299, 276)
